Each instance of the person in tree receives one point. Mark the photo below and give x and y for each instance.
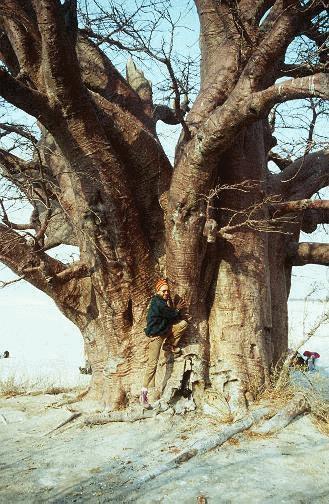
(164, 326)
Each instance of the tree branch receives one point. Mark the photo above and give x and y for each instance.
(259, 8)
(39, 269)
(281, 162)
(36, 181)
(287, 207)
(304, 177)
(320, 37)
(308, 253)
(7, 54)
(20, 26)
(292, 70)
(75, 270)
(19, 130)
(30, 100)
(218, 36)
(312, 218)
(59, 57)
(22, 259)
(12, 225)
(292, 89)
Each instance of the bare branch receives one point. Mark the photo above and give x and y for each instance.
(178, 109)
(11, 225)
(76, 270)
(10, 282)
(19, 130)
(312, 218)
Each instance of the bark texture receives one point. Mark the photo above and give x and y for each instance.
(217, 223)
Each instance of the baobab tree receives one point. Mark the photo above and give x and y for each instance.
(216, 222)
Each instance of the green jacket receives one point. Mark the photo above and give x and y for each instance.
(159, 317)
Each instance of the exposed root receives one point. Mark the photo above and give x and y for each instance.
(294, 408)
(118, 416)
(130, 415)
(204, 445)
(72, 400)
(3, 420)
(281, 419)
(65, 422)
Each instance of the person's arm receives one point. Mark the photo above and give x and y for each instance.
(167, 312)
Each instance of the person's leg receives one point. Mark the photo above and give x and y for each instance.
(154, 347)
(177, 330)
(175, 335)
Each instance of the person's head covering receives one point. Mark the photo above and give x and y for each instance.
(307, 353)
(160, 283)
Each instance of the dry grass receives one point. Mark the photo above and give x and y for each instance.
(12, 386)
(320, 416)
(287, 380)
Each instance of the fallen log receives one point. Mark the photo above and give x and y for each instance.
(297, 406)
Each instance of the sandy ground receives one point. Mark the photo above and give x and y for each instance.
(102, 463)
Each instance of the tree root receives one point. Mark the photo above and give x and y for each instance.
(294, 408)
(3, 419)
(204, 445)
(281, 419)
(65, 422)
(70, 401)
(131, 415)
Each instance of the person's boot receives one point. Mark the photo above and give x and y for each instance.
(143, 399)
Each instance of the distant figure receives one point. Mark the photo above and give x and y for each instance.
(310, 359)
(4, 355)
(87, 369)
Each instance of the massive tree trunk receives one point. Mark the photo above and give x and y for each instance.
(212, 223)
(240, 317)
